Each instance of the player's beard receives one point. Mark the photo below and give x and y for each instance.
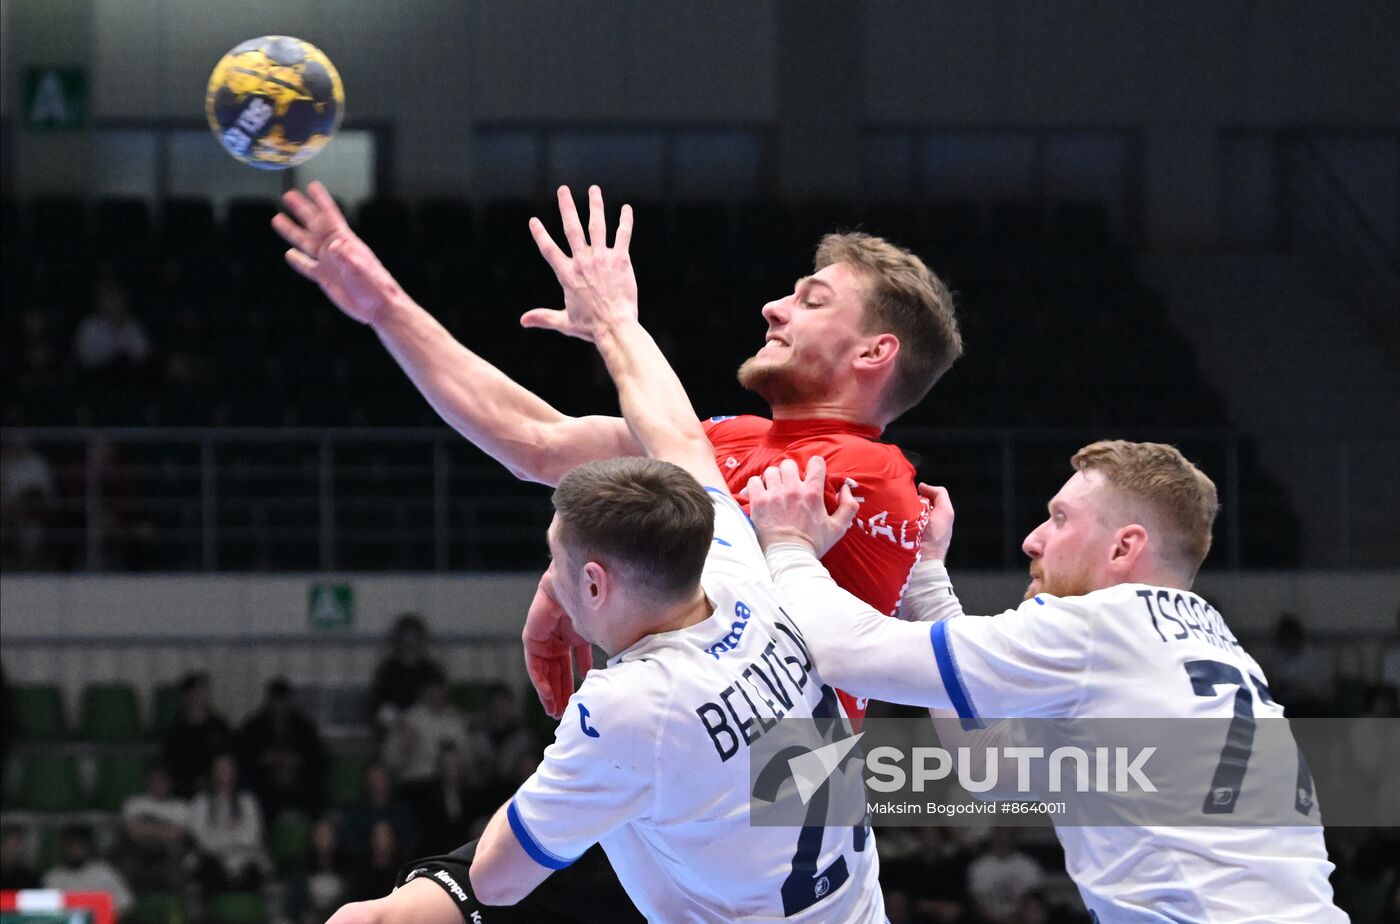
(793, 380)
(1060, 584)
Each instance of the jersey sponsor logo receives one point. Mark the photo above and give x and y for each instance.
(583, 715)
(822, 887)
(765, 691)
(731, 462)
(726, 544)
(722, 418)
(736, 628)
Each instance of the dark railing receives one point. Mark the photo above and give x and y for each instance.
(425, 500)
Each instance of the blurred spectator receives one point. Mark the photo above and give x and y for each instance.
(38, 359)
(111, 338)
(1390, 667)
(79, 869)
(401, 676)
(447, 812)
(198, 735)
(10, 729)
(999, 880)
(15, 871)
(1300, 673)
(930, 870)
(318, 888)
(155, 834)
(381, 804)
(418, 735)
(282, 755)
(27, 493)
(1034, 909)
(516, 748)
(227, 827)
(374, 876)
(106, 487)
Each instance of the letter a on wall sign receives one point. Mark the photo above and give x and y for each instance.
(55, 97)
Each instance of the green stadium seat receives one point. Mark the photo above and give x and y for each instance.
(119, 775)
(165, 707)
(157, 908)
(39, 709)
(345, 777)
(237, 908)
(288, 840)
(49, 783)
(473, 696)
(109, 712)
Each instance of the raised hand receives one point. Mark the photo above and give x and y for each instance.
(326, 251)
(786, 507)
(552, 651)
(938, 534)
(599, 285)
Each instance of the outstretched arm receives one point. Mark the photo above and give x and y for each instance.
(600, 305)
(505, 420)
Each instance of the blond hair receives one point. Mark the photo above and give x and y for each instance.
(1180, 495)
(648, 518)
(907, 300)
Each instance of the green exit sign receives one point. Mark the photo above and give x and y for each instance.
(330, 606)
(55, 97)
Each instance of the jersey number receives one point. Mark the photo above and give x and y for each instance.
(805, 885)
(1239, 739)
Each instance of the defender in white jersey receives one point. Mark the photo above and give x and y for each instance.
(1109, 629)
(650, 759)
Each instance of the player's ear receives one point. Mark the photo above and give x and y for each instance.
(597, 584)
(878, 352)
(1129, 545)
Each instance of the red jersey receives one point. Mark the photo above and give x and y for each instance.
(874, 558)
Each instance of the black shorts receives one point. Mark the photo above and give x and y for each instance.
(585, 892)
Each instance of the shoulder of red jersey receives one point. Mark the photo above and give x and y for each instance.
(848, 453)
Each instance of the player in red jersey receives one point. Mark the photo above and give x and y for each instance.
(857, 343)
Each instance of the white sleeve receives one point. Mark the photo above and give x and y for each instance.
(855, 648)
(735, 550)
(929, 596)
(1027, 662)
(596, 776)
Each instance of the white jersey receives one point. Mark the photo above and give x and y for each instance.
(651, 761)
(1129, 651)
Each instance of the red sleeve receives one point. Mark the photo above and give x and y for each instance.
(874, 558)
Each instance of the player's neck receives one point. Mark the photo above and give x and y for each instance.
(825, 410)
(689, 612)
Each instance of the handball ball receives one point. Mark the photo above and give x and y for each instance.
(274, 102)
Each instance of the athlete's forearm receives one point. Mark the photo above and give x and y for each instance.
(855, 647)
(654, 402)
(498, 415)
(929, 596)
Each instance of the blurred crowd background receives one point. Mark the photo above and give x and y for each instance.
(1177, 222)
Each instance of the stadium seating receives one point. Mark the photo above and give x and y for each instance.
(120, 774)
(345, 777)
(288, 838)
(1022, 271)
(237, 908)
(48, 782)
(157, 908)
(109, 712)
(39, 711)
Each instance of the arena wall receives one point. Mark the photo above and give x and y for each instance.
(817, 75)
